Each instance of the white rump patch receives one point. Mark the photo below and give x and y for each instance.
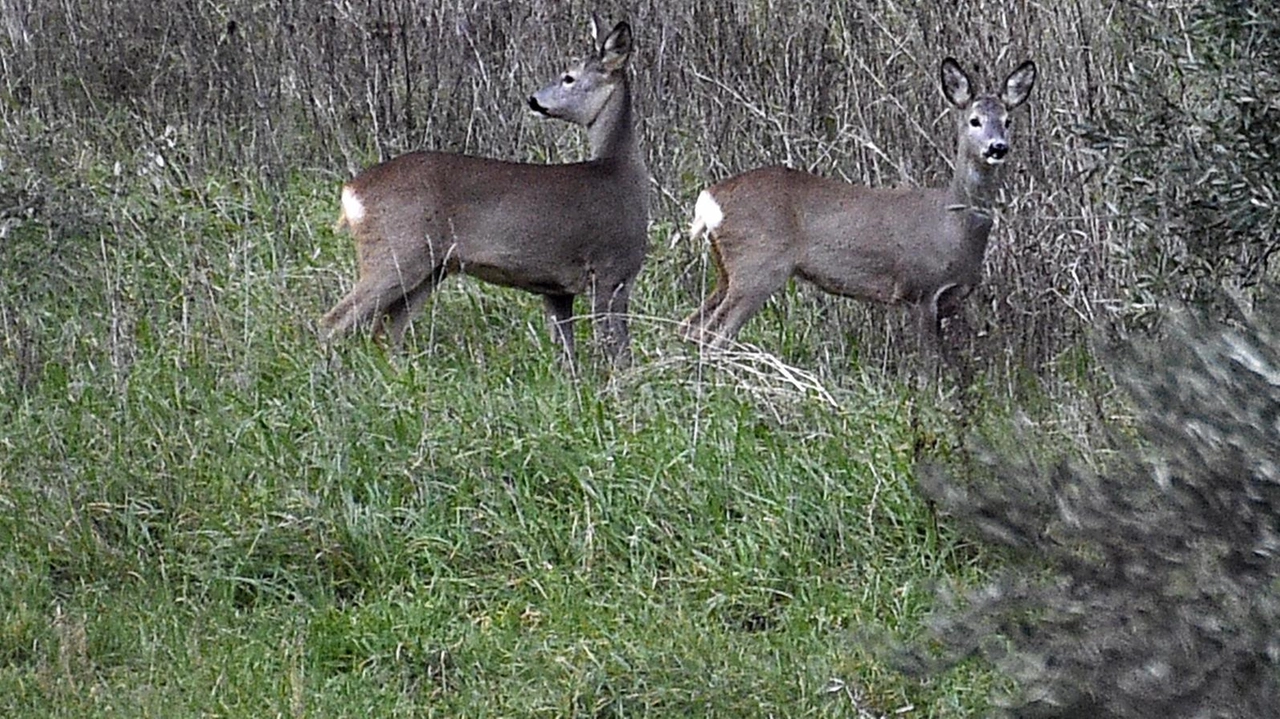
(352, 207)
(707, 214)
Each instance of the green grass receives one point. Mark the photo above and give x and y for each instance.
(204, 511)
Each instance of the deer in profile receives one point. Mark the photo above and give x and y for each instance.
(554, 230)
(918, 246)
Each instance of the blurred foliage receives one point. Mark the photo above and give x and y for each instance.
(1148, 589)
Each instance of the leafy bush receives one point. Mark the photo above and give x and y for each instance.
(1194, 141)
(1151, 588)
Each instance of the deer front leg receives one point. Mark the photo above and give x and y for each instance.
(929, 326)
(610, 310)
(559, 309)
(931, 345)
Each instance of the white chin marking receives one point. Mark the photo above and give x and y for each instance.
(707, 211)
(993, 160)
(352, 207)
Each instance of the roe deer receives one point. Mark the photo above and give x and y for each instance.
(905, 245)
(554, 230)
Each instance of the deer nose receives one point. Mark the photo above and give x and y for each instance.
(997, 150)
(537, 106)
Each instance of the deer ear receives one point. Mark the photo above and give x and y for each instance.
(956, 86)
(1018, 87)
(616, 48)
(596, 26)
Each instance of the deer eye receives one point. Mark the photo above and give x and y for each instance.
(975, 122)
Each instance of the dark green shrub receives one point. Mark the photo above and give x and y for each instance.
(1194, 140)
(1150, 589)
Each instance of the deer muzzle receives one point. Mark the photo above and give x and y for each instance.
(996, 152)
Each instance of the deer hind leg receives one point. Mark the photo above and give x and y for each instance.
(739, 305)
(747, 285)
(693, 328)
(559, 309)
(360, 304)
(397, 316)
(374, 294)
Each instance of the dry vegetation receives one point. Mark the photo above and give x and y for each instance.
(1139, 105)
(846, 89)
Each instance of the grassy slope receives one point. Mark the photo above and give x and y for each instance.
(205, 512)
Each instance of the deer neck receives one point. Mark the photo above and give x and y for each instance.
(974, 185)
(612, 134)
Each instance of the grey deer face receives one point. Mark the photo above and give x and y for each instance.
(584, 89)
(984, 119)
